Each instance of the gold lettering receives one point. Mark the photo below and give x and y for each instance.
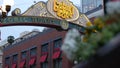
(62, 10)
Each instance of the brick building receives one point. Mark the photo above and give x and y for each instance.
(1, 54)
(36, 50)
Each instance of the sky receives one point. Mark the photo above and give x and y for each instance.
(16, 30)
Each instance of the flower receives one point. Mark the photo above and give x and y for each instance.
(69, 46)
(88, 24)
(98, 24)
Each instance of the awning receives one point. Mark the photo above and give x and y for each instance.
(14, 65)
(56, 55)
(6, 66)
(32, 61)
(43, 58)
(22, 64)
(57, 49)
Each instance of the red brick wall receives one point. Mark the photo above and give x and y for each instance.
(38, 41)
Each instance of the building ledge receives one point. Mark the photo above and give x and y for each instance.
(20, 40)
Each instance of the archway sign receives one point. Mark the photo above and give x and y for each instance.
(59, 14)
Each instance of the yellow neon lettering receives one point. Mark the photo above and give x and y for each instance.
(62, 10)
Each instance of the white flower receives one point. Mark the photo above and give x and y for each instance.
(69, 45)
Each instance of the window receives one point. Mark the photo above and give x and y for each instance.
(45, 47)
(33, 51)
(44, 65)
(43, 58)
(23, 59)
(32, 62)
(57, 51)
(7, 60)
(58, 63)
(88, 5)
(14, 62)
(57, 55)
(57, 60)
(22, 64)
(99, 2)
(24, 54)
(57, 43)
(15, 58)
(33, 66)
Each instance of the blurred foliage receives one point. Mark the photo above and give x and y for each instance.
(97, 35)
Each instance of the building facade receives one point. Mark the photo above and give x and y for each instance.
(88, 5)
(1, 55)
(37, 50)
(92, 8)
(2, 43)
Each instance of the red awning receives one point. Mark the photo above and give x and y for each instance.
(57, 49)
(6, 66)
(14, 65)
(43, 58)
(22, 64)
(56, 55)
(32, 61)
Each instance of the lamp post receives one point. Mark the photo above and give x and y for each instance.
(3, 14)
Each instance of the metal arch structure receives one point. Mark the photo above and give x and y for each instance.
(40, 21)
(43, 14)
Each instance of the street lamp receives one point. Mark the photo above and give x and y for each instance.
(8, 8)
(3, 14)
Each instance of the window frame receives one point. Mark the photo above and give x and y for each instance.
(57, 43)
(44, 47)
(24, 55)
(57, 63)
(44, 65)
(15, 58)
(7, 60)
(33, 51)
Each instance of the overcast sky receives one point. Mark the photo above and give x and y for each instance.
(16, 30)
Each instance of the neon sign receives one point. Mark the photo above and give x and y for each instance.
(62, 10)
